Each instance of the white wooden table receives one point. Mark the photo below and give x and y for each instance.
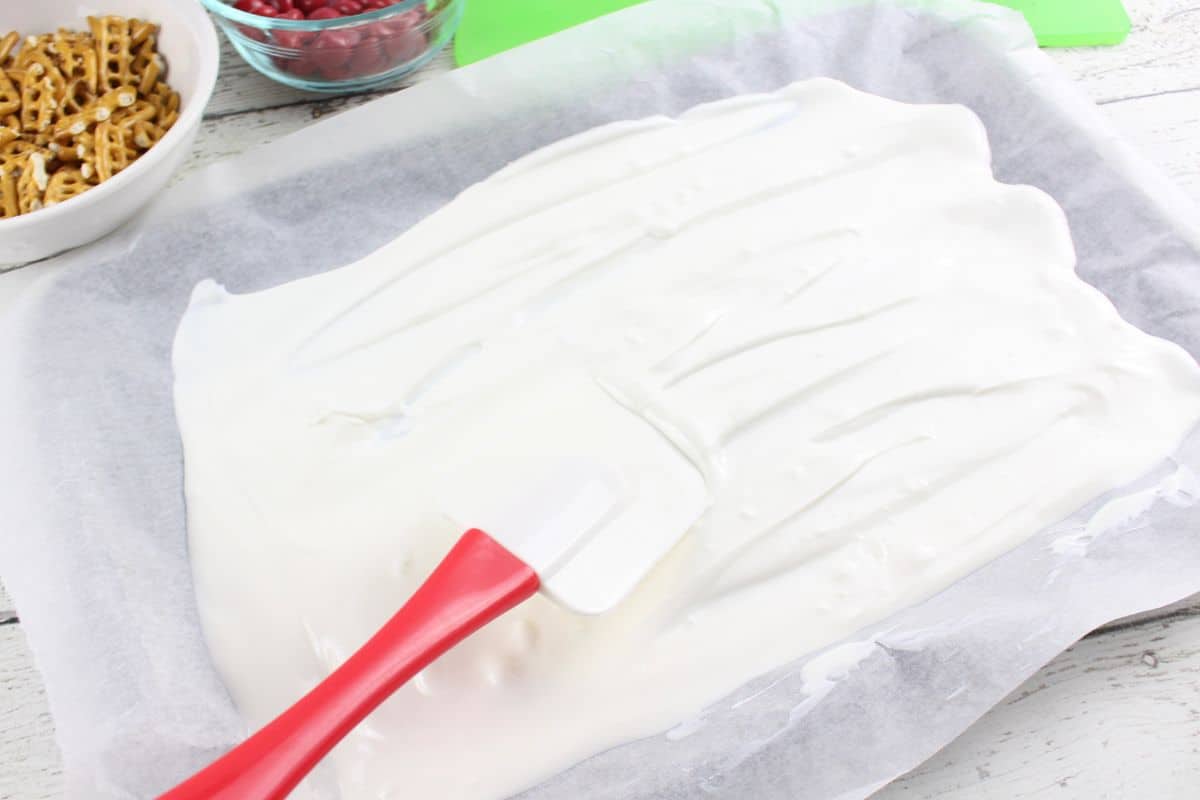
(1115, 716)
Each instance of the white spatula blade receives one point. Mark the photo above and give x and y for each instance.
(585, 491)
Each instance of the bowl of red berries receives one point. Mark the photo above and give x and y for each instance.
(336, 45)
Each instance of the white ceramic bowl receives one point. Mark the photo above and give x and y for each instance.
(188, 42)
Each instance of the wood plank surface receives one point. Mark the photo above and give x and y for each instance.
(1116, 716)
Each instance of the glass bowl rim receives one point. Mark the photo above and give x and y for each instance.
(227, 11)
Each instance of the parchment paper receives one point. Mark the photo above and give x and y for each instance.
(92, 536)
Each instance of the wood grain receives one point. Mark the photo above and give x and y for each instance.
(30, 767)
(1115, 716)
(241, 89)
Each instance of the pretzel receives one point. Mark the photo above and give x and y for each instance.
(98, 111)
(168, 100)
(76, 97)
(7, 42)
(37, 170)
(9, 204)
(91, 70)
(63, 153)
(111, 156)
(146, 134)
(147, 66)
(167, 97)
(150, 74)
(43, 64)
(17, 148)
(65, 184)
(31, 47)
(32, 183)
(77, 107)
(141, 31)
(85, 147)
(77, 124)
(41, 87)
(80, 150)
(76, 55)
(10, 95)
(36, 112)
(113, 44)
(120, 97)
(69, 56)
(140, 111)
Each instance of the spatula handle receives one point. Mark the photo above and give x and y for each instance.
(478, 581)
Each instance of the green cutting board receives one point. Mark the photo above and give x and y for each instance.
(1073, 23)
(493, 26)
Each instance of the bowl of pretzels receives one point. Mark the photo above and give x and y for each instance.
(98, 108)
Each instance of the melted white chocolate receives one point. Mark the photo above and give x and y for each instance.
(881, 357)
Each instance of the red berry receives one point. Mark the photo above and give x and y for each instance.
(401, 24)
(332, 51)
(401, 36)
(341, 37)
(325, 12)
(293, 40)
(348, 8)
(284, 7)
(259, 7)
(252, 33)
(337, 72)
(309, 6)
(302, 66)
(368, 58)
(404, 47)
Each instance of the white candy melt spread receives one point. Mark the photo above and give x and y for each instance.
(882, 356)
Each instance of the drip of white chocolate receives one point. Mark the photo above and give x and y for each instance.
(881, 358)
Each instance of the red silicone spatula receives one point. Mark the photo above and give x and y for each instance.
(582, 528)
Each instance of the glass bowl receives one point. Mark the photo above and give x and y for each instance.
(342, 54)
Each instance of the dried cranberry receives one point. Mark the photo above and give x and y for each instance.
(293, 40)
(401, 37)
(399, 24)
(303, 66)
(252, 33)
(337, 72)
(332, 50)
(309, 6)
(348, 8)
(259, 7)
(404, 47)
(368, 58)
